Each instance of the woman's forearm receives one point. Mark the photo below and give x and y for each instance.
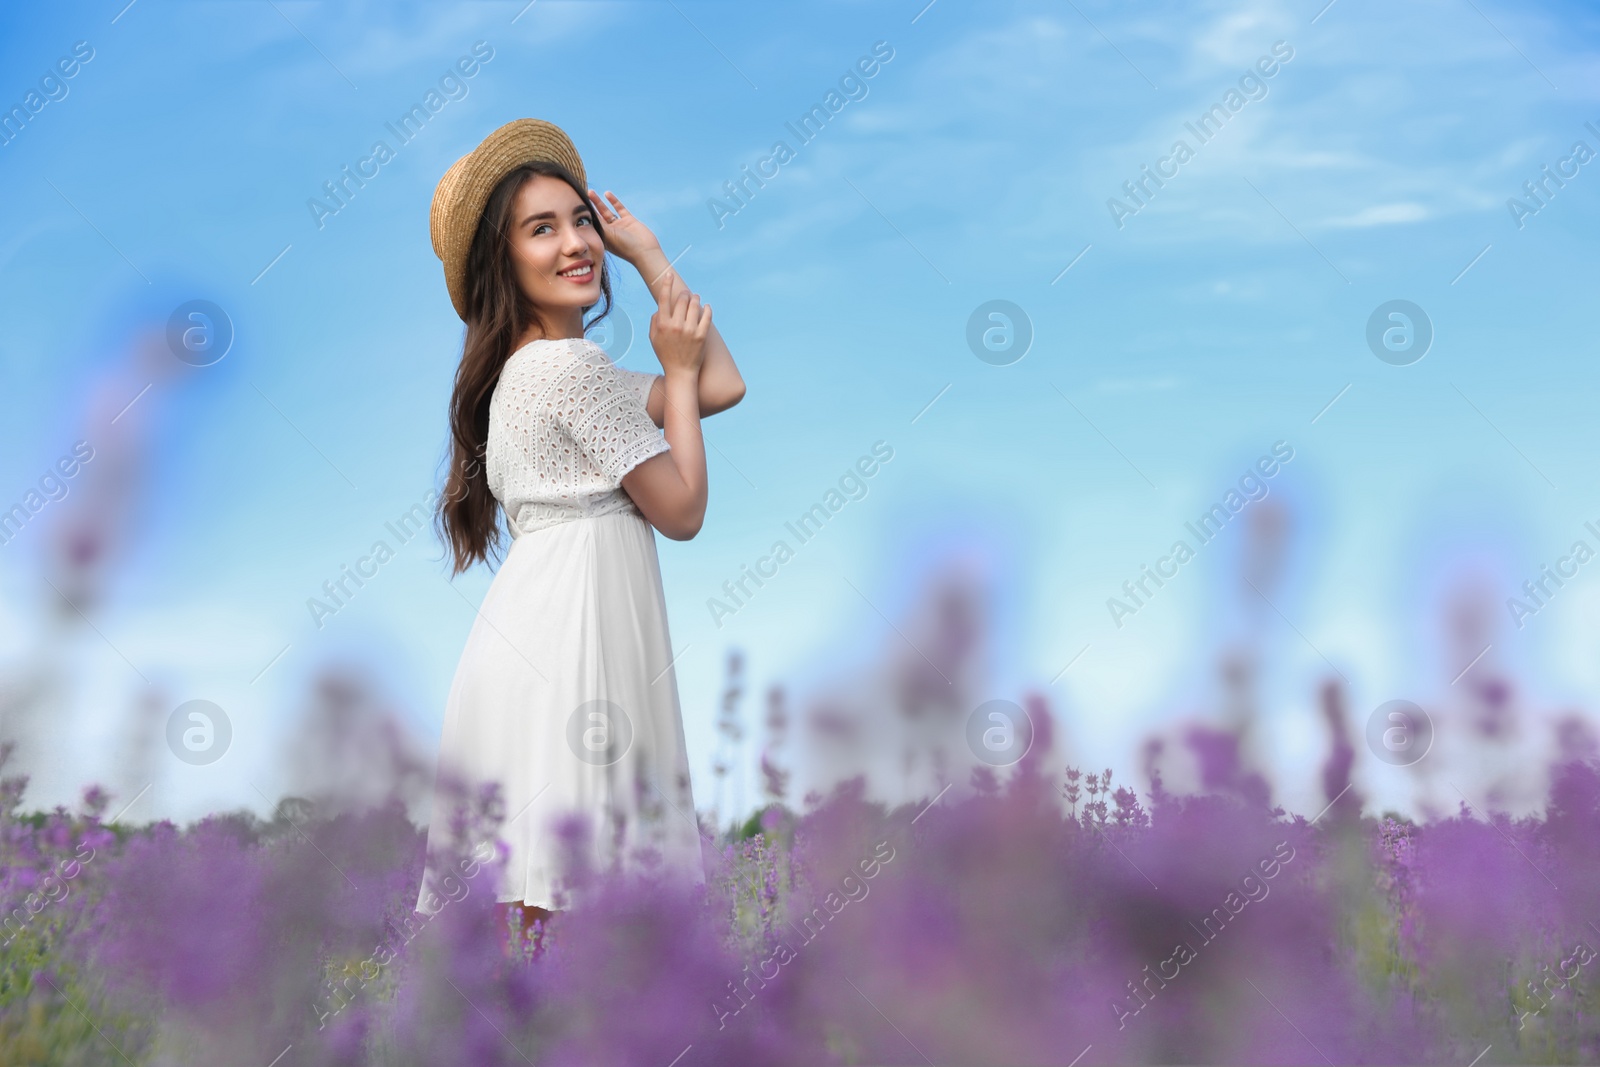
(681, 420)
(721, 385)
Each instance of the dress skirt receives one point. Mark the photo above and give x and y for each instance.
(565, 694)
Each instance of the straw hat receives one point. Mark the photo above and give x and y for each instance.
(459, 199)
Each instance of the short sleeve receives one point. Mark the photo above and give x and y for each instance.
(640, 382)
(601, 410)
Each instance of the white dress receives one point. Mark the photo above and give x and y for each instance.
(565, 693)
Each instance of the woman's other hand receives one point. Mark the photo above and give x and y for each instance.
(678, 333)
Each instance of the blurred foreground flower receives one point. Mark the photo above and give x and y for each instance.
(998, 928)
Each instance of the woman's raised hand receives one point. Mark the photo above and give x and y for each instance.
(625, 235)
(678, 332)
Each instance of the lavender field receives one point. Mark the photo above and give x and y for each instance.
(1034, 912)
(1040, 916)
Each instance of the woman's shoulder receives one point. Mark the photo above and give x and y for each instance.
(537, 366)
(560, 348)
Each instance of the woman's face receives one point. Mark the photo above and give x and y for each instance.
(556, 250)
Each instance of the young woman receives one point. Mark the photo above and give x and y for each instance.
(565, 693)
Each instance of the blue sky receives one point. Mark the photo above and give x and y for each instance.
(1375, 164)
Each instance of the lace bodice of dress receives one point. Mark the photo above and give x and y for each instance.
(565, 424)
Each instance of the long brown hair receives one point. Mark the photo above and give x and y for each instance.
(498, 313)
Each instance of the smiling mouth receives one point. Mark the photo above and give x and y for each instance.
(581, 274)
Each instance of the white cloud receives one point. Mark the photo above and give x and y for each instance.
(1381, 215)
